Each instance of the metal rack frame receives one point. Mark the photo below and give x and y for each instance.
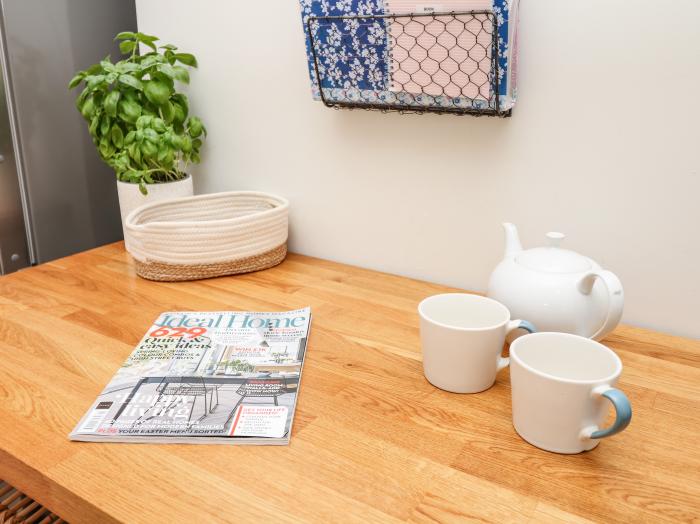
(492, 104)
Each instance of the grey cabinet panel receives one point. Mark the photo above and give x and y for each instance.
(14, 249)
(70, 193)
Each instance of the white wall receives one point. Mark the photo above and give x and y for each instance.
(603, 146)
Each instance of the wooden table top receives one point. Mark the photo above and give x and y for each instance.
(372, 440)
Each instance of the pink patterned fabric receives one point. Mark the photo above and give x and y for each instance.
(441, 55)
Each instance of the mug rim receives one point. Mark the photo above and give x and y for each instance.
(459, 328)
(513, 352)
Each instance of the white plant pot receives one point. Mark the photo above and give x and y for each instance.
(130, 197)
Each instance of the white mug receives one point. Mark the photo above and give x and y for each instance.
(462, 337)
(560, 383)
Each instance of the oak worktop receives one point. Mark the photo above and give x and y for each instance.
(372, 440)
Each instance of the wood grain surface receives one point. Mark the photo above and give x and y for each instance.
(372, 440)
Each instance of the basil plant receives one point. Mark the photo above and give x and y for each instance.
(138, 121)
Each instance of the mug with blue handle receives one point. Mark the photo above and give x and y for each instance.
(462, 337)
(562, 387)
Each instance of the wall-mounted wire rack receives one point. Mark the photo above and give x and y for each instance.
(411, 63)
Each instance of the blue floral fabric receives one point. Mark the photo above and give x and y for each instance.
(353, 54)
(501, 11)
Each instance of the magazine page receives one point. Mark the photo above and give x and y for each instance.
(205, 377)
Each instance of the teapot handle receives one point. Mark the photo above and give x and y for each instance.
(616, 298)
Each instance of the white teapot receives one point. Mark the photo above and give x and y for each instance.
(556, 289)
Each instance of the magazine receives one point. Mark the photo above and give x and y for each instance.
(225, 377)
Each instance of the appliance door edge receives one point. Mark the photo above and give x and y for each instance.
(16, 236)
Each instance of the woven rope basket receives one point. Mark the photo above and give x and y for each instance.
(208, 235)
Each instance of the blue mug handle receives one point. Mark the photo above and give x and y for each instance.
(512, 326)
(522, 324)
(623, 412)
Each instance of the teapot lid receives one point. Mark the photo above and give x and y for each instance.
(553, 259)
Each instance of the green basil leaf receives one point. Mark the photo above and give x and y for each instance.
(142, 188)
(125, 161)
(149, 109)
(151, 59)
(157, 75)
(98, 96)
(76, 80)
(186, 58)
(169, 56)
(131, 95)
(178, 115)
(143, 121)
(195, 127)
(143, 37)
(167, 70)
(149, 150)
(88, 107)
(95, 81)
(93, 69)
(186, 144)
(128, 67)
(169, 159)
(110, 102)
(147, 40)
(158, 124)
(175, 72)
(157, 92)
(128, 111)
(150, 135)
(181, 74)
(125, 35)
(127, 46)
(129, 138)
(168, 112)
(162, 152)
(105, 124)
(108, 66)
(131, 81)
(106, 148)
(81, 98)
(120, 161)
(94, 123)
(176, 141)
(136, 155)
(117, 136)
(181, 99)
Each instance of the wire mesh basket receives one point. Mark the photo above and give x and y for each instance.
(412, 63)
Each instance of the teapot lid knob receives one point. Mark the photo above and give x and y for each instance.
(555, 238)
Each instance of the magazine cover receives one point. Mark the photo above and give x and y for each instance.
(205, 377)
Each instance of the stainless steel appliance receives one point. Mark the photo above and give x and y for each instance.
(56, 196)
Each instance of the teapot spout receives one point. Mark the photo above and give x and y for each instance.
(512, 245)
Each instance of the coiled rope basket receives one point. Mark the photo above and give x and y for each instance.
(208, 235)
